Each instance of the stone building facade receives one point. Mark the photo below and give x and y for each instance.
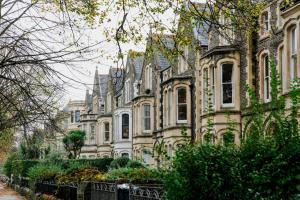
(172, 86)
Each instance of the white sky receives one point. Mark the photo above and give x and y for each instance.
(84, 71)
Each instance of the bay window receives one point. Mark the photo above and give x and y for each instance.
(227, 85)
(147, 117)
(181, 105)
(125, 126)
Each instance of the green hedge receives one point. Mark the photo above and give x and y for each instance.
(102, 164)
(21, 167)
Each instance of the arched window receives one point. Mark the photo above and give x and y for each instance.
(125, 126)
(293, 52)
(227, 85)
(181, 105)
(106, 131)
(267, 77)
(228, 138)
(147, 117)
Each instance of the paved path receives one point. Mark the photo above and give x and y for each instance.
(7, 193)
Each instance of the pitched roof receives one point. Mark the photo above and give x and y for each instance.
(136, 59)
(165, 43)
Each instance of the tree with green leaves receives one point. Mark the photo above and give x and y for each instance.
(73, 142)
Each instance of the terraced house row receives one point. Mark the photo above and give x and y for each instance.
(157, 93)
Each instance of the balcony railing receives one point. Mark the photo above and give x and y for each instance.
(287, 4)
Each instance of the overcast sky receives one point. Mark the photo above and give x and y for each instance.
(84, 72)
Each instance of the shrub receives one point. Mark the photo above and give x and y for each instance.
(21, 167)
(133, 174)
(80, 175)
(270, 172)
(203, 172)
(134, 164)
(73, 166)
(8, 163)
(119, 162)
(42, 172)
(102, 164)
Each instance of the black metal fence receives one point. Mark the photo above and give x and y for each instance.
(66, 192)
(122, 191)
(103, 191)
(146, 192)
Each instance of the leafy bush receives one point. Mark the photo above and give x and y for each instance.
(8, 163)
(102, 164)
(133, 174)
(134, 164)
(21, 167)
(42, 172)
(73, 166)
(204, 172)
(80, 175)
(119, 162)
(270, 172)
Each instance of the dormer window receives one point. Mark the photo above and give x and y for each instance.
(265, 22)
(148, 77)
(183, 60)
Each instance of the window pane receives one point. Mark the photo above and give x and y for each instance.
(293, 41)
(146, 117)
(227, 93)
(267, 70)
(227, 73)
(125, 126)
(182, 110)
(181, 95)
(72, 116)
(106, 131)
(77, 116)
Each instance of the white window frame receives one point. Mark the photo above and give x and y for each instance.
(266, 77)
(293, 52)
(228, 105)
(177, 106)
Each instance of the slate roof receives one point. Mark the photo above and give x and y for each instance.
(166, 41)
(103, 83)
(201, 32)
(136, 60)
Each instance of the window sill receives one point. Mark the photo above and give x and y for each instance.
(146, 132)
(227, 105)
(181, 121)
